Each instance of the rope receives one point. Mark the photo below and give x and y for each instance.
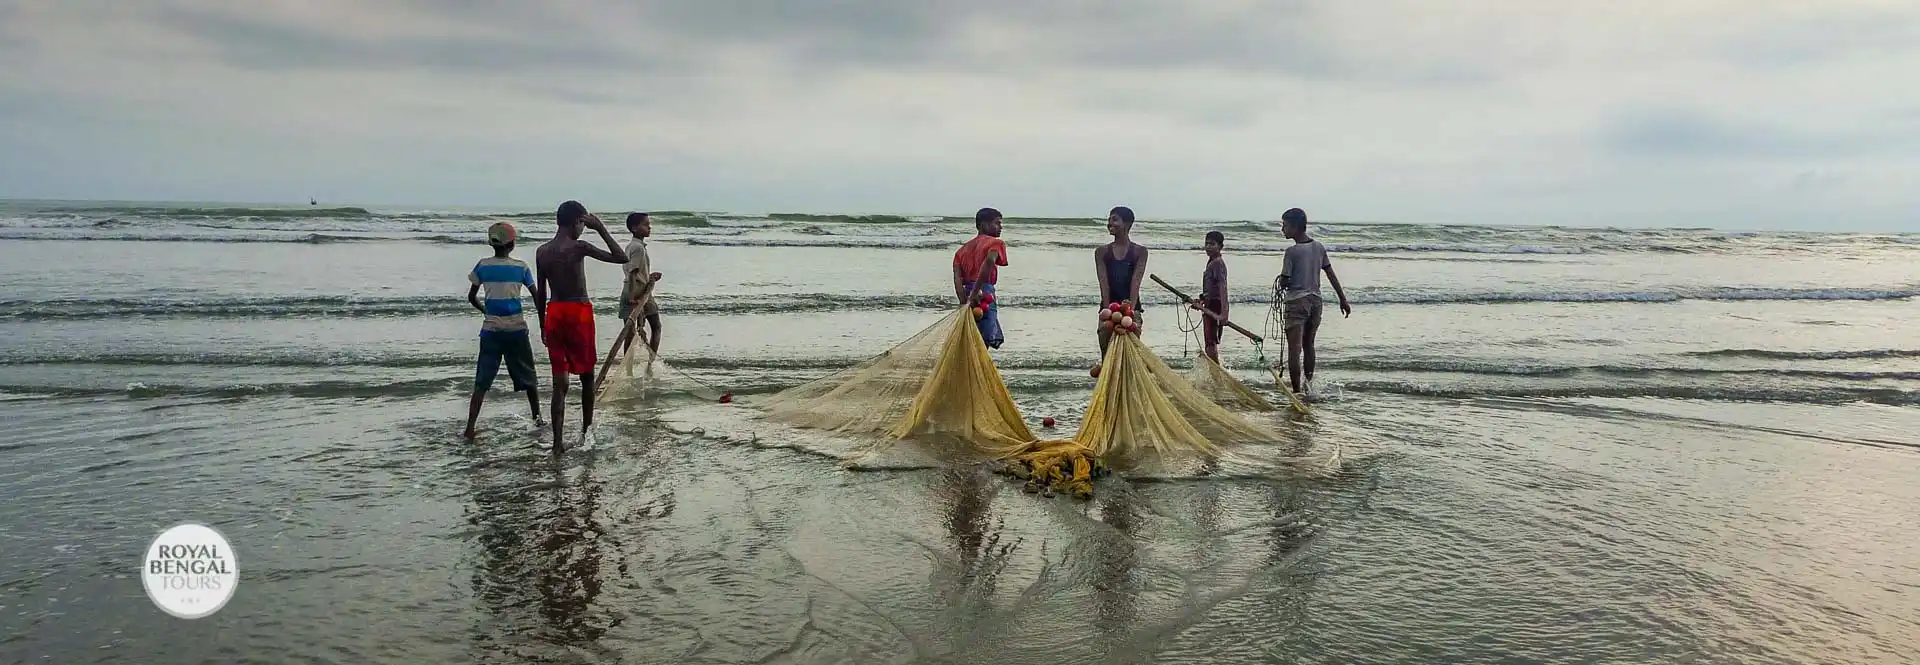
(1189, 332)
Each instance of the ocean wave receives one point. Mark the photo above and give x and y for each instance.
(310, 211)
(1772, 354)
(1516, 369)
(1011, 362)
(250, 236)
(318, 389)
(782, 303)
(1028, 384)
(1713, 393)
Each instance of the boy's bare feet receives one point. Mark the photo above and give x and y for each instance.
(470, 434)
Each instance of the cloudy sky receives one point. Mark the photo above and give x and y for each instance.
(1729, 113)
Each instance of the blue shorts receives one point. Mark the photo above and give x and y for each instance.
(990, 324)
(511, 346)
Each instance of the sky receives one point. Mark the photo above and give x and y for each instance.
(1749, 114)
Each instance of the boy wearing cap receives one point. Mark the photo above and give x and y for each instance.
(503, 333)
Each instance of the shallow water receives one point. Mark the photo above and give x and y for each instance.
(1589, 446)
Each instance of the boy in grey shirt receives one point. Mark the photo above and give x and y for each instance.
(1299, 291)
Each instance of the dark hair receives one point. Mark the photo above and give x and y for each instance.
(985, 215)
(635, 218)
(570, 213)
(1217, 238)
(1294, 217)
(1125, 213)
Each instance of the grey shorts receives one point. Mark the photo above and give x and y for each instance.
(652, 308)
(1303, 311)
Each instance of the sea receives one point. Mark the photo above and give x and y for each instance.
(1586, 445)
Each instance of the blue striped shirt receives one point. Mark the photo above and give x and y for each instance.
(500, 280)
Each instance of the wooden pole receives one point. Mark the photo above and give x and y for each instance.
(631, 328)
(1203, 310)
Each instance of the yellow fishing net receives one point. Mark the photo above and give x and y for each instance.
(1223, 388)
(942, 381)
(1142, 413)
(939, 381)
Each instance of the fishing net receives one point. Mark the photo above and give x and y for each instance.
(1142, 414)
(1223, 387)
(939, 381)
(1212, 379)
(942, 381)
(632, 370)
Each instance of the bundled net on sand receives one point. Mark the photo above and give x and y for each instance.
(1142, 414)
(942, 381)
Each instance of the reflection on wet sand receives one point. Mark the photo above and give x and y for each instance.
(1116, 591)
(538, 552)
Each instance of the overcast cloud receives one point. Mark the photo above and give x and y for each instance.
(1745, 114)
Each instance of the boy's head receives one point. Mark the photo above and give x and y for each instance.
(571, 216)
(1294, 223)
(1119, 220)
(1216, 241)
(987, 221)
(501, 236)
(640, 224)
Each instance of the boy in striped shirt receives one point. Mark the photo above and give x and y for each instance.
(503, 334)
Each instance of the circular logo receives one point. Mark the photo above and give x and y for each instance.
(190, 571)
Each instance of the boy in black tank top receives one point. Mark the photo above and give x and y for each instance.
(1119, 265)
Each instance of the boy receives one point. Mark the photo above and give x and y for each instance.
(639, 279)
(566, 315)
(1213, 295)
(1118, 266)
(503, 333)
(976, 269)
(1300, 292)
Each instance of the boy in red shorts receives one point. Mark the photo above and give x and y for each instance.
(566, 315)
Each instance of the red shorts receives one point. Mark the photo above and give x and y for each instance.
(568, 334)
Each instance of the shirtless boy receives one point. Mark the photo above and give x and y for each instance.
(566, 315)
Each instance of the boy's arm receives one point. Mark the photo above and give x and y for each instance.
(1100, 269)
(612, 253)
(1139, 272)
(473, 289)
(1220, 292)
(1345, 309)
(959, 283)
(979, 284)
(540, 299)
